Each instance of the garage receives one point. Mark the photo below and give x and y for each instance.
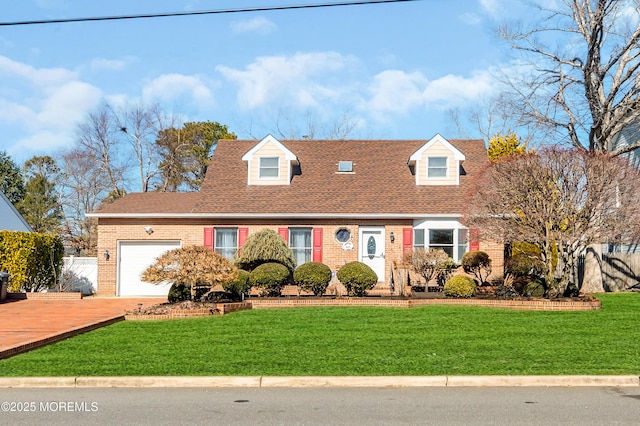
(133, 258)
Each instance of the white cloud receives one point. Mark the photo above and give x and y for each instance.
(470, 18)
(40, 77)
(110, 64)
(492, 7)
(293, 79)
(399, 92)
(260, 25)
(67, 105)
(169, 87)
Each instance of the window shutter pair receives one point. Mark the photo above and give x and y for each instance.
(316, 253)
(209, 237)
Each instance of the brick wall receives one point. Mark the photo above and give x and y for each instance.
(191, 232)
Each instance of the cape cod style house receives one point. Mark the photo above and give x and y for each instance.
(333, 201)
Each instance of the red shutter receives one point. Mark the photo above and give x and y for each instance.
(243, 233)
(284, 233)
(474, 239)
(407, 240)
(208, 238)
(317, 245)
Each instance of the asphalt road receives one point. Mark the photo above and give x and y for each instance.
(322, 406)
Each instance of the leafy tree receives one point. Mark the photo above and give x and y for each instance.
(41, 206)
(265, 246)
(11, 182)
(186, 153)
(477, 263)
(195, 267)
(502, 146)
(560, 200)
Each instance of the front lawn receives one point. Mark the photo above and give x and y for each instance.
(428, 340)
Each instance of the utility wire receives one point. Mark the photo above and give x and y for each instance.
(201, 12)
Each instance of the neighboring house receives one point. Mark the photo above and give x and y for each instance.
(10, 218)
(333, 201)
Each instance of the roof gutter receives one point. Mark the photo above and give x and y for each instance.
(271, 215)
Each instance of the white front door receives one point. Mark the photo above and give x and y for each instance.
(371, 248)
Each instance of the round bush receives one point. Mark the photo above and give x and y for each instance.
(460, 286)
(534, 289)
(477, 263)
(270, 277)
(179, 293)
(237, 288)
(313, 276)
(357, 278)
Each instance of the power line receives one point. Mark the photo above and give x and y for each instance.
(201, 12)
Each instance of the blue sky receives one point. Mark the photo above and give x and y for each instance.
(394, 70)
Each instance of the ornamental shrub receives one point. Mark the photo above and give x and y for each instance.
(313, 277)
(477, 263)
(270, 277)
(535, 288)
(239, 287)
(524, 264)
(460, 286)
(195, 266)
(179, 293)
(357, 278)
(33, 260)
(265, 246)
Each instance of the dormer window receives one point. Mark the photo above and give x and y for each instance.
(269, 167)
(436, 167)
(345, 166)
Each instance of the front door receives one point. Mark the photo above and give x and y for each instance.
(371, 248)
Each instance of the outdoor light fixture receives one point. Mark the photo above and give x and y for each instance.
(392, 236)
(106, 255)
(148, 230)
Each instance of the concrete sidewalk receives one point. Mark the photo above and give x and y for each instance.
(27, 324)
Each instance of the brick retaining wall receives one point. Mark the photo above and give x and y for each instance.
(46, 296)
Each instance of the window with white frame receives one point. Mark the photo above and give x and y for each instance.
(226, 242)
(269, 167)
(454, 242)
(300, 244)
(437, 167)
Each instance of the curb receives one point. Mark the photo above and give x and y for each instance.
(317, 381)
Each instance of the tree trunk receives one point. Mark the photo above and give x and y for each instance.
(592, 282)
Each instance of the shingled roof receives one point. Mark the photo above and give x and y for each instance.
(381, 185)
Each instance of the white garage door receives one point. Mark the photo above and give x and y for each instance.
(134, 258)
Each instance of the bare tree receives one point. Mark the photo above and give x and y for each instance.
(83, 187)
(560, 200)
(98, 139)
(579, 73)
(141, 124)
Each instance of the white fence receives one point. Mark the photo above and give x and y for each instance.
(80, 274)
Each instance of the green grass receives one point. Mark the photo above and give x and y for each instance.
(429, 340)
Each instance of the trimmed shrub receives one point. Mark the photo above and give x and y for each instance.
(33, 260)
(477, 263)
(270, 277)
(237, 288)
(460, 286)
(357, 278)
(265, 246)
(313, 277)
(534, 289)
(179, 293)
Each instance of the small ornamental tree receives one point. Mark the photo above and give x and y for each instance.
(265, 246)
(427, 263)
(477, 263)
(195, 267)
(357, 278)
(313, 276)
